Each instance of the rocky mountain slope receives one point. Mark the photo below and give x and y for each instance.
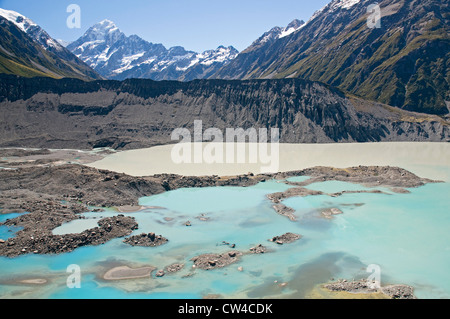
(405, 63)
(116, 56)
(27, 50)
(274, 34)
(69, 113)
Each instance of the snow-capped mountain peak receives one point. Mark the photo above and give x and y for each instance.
(105, 30)
(32, 29)
(344, 4)
(39, 52)
(291, 28)
(335, 5)
(220, 55)
(107, 24)
(105, 27)
(19, 20)
(117, 56)
(277, 33)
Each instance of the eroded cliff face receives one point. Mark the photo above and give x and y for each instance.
(69, 113)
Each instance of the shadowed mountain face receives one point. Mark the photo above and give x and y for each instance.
(404, 63)
(27, 50)
(68, 113)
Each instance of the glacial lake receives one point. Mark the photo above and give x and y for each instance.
(421, 158)
(405, 234)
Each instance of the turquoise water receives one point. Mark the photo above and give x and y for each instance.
(8, 231)
(405, 234)
(330, 187)
(5, 217)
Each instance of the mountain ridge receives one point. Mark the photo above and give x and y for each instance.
(405, 63)
(139, 113)
(26, 49)
(117, 56)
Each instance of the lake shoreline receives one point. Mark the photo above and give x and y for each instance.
(52, 196)
(292, 157)
(56, 193)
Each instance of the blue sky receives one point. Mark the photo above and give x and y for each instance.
(194, 24)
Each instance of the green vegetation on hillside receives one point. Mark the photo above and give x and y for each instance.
(21, 55)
